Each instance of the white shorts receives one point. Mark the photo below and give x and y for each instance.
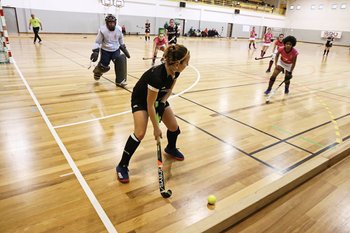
(273, 56)
(267, 44)
(285, 66)
(252, 39)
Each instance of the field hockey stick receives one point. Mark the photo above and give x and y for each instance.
(268, 97)
(259, 58)
(149, 58)
(163, 192)
(172, 39)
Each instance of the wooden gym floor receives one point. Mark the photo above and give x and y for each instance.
(238, 148)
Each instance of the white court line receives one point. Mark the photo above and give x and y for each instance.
(95, 119)
(101, 213)
(122, 113)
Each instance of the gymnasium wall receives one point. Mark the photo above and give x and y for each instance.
(57, 15)
(307, 23)
(85, 16)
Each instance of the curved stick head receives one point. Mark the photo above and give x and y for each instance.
(166, 194)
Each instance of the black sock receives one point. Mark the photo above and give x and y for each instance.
(149, 38)
(271, 82)
(324, 52)
(129, 149)
(145, 38)
(172, 137)
(327, 52)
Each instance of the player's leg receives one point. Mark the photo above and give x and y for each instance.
(287, 79)
(155, 55)
(134, 140)
(271, 62)
(272, 80)
(120, 68)
(173, 132)
(103, 65)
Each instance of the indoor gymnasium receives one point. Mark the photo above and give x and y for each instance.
(175, 116)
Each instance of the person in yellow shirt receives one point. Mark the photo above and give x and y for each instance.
(36, 24)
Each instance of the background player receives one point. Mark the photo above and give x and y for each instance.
(276, 45)
(172, 31)
(159, 43)
(328, 45)
(267, 41)
(147, 30)
(252, 38)
(110, 40)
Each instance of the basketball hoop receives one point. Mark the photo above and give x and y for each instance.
(115, 3)
(119, 3)
(107, 3)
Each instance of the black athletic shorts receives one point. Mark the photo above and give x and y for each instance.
(147, 30)
(142, 106)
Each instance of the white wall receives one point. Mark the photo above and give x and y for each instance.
(156, 8)
(325, 19)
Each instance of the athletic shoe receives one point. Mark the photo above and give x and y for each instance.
(96, 77)
(175, 153)
(267, 92)
(123, 174)
(122, 84)
(286, 91)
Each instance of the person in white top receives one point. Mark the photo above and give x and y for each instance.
(110, 41)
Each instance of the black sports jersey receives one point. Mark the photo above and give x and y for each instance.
(329, 42)
(172, 32)
(155, 79)
(147, 27)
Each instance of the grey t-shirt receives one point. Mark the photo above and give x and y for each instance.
(109, 40)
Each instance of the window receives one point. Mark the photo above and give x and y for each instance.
(334, 6)
(320, 7)
(313, 7)
(343, 6)
(298, 7)
(291, 7)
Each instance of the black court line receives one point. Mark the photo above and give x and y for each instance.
(226, 87)
(313, 155)
(227, 143)
(296, 135)
(245, 124)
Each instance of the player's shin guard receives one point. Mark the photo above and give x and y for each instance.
(172, 138)
(286, 87)
(145, 38)
(271, 82)
(129, 149)
(99, 70)
(121, 70)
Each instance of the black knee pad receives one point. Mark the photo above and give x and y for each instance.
(100, 69)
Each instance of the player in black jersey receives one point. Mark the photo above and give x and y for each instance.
(149, 99)
(147, 30)
(172, 31)
(328, 45)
